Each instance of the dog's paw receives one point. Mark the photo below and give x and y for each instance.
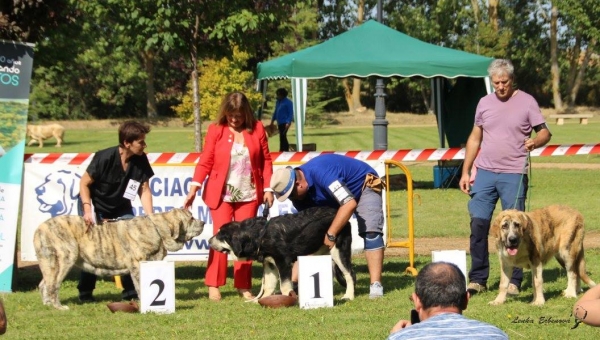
(496, 302)
(348, 297)
(538, 303)
(61, 307)
(569, 294)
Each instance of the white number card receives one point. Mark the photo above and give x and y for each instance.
(157, 285)
(315, 281)
(131, 190)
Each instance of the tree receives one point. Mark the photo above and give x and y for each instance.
(219, 78)
(216, 26)
(29, 20)
(554, 68)
(339, 16)
(352, 95)
(581, 18)
(142, 25)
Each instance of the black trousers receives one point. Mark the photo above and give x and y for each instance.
(87, 281)
(480, 264)
(284, 145)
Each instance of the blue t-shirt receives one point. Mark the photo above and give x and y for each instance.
(449, 326)
(284, 111)
(325, 173)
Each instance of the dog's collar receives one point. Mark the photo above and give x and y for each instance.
(260, 238)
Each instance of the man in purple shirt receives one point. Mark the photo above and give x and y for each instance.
(504, 121)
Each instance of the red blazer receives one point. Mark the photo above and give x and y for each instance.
(216, 156)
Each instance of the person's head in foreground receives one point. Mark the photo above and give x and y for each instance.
(440, 297)
(440, 287)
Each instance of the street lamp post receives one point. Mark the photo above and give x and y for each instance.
(380, 123)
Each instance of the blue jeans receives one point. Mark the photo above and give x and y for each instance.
(489, 187)
(87, 281)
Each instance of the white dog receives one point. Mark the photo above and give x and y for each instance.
(39, 133)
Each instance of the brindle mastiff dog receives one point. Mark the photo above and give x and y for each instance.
(111, 248)
(530, 239)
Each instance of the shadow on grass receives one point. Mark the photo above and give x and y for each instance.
(550, 290)
(190, 279)
(27, 278)
(394, 276)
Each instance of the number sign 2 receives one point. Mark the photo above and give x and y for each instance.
(315, 281)
(157, 285)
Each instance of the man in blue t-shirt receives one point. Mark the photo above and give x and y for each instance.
(284, 115)
(349, 185)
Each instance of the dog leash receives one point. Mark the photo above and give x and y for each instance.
(523, 172)
(265, 214)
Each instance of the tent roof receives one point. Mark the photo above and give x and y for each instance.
(373, 49)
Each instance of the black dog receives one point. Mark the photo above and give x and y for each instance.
(279, 241)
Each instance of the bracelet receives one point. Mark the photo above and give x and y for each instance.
(85, 203)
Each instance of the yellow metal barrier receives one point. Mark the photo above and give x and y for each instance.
(410, 243)
(118, 282)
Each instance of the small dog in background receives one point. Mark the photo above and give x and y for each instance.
(271, 130)
(39, 133)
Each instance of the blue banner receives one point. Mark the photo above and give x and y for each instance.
(16, 62)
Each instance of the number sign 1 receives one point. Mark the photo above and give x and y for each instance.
(315, 281)
(157, 285)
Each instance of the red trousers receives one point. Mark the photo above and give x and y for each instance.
(216, 270)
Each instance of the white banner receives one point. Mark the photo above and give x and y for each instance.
(51, 190)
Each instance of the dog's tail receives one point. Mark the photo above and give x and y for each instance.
(581, 270)
(339, 275)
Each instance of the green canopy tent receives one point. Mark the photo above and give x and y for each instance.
(372, 49)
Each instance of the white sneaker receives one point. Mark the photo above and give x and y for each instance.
(376, 290)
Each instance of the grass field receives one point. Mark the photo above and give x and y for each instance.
(438, 212)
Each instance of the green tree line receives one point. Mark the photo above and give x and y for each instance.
(161, 58)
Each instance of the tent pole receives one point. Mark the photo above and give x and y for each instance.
(261, 86)
(437, 89)
(299, 90)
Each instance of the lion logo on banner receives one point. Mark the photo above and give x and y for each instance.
(59, 193)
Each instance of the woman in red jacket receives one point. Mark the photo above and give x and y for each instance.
(237, 162)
